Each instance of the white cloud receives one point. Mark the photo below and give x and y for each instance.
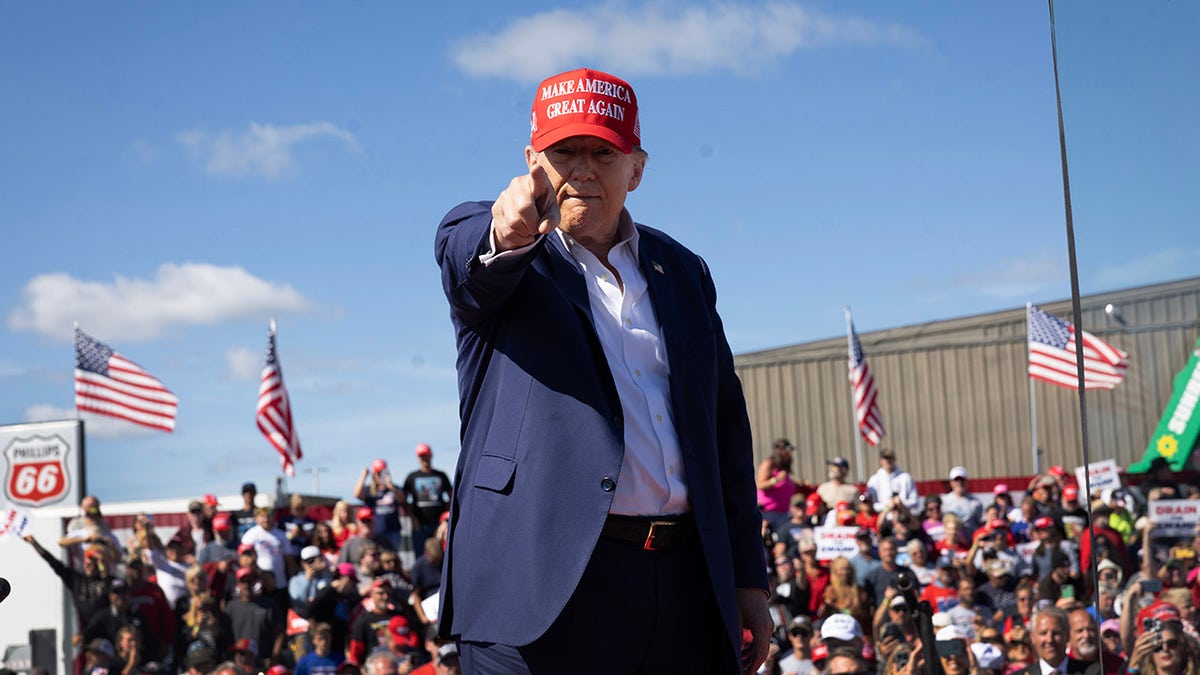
(264, 150)
(96, 426)
(145, 152)
(1170, 263)
(1020, 279)
(243, 363)
(183, 294)
(665, 38)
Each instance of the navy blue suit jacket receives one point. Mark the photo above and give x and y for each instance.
(542, 430)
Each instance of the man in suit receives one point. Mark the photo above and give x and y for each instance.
(604, 516)
(1051, 630)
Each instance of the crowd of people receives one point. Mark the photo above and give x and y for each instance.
(1008, 585)
(1003, 587)
(264, 589)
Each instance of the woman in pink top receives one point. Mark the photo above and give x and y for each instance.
(775, 486)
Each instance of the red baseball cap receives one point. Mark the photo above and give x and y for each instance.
(378, 466)
(1057, 470)
(842, 506)
(211, 500)
(278, 670)
(221, 522)
(423, 449)
(813, 504)
(403, 633)
(244, 572)
(246, 548)
(998, 524)
(1043, 523)
(1070, 493)
(585, 102)
(364, 513)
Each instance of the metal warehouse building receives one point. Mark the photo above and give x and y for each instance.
(956, 392)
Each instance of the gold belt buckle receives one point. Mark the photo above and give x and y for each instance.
(649, 545)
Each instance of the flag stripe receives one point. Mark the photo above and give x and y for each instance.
(1052, 357)
(110, 384)
(866, 402)
(274, 415)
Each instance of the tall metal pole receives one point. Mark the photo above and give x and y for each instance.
(858, 441)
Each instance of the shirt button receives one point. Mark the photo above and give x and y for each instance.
(637, 371)
(608, 484)
(658, 417)
(628, 321)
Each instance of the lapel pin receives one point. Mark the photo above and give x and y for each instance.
(657, 268)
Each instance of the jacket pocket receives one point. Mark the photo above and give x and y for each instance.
(495, 473)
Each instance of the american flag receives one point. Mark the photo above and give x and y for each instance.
(866, 399)
(275, 410)
(1052, 354)
(110, 384)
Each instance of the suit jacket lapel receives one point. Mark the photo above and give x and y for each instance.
(564, 270)
(656, 267)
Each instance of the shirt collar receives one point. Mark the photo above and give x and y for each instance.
(627, 235)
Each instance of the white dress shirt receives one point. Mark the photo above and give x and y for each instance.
(652, 480)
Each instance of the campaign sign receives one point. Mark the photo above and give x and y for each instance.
(835, 542)
(1174, 517)
(1103, 475)
(14, 522)
(1026, 549)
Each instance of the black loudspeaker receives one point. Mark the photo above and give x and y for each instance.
(43, 647)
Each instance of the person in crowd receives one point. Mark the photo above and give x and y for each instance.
(90, 529)
(892, 622)
(864, 515)
(390, 569)
(223, 546)
(890, 488)
(1000, 591)
(107, 623)
(1107, 600)
(843, 595)
(146, 599)
(961, 503)
(343, 522)
(1018, 649)
(376, 489)
(129, 656)
(322, 660)
(403, 640)
(253, 616)
(955, 655)
(866, 560)
(369, 630)
(1120, 518)
(99, 656)
(89, 588)
(205, 625)
(1110, 637)
(776, 485)
(791, 589)
(363, 538)
(380, 663)
(955, 542)
(169, 569)
(836, 489)
(297, 525)
(942, 593)
(993, 543)
(933, 524)
(336, 605)
(196, 588)
(1169, 650)
(877, 582)
(326, 542)
(1084, 643)
(245, 518)
(1051, 630)
(427, 579)
(798, 659)
(314, 575)
(1160, 477)
(1058, 582)
(428, 492)
(273, 551)
(1003, 501)
(970, 612)
(195, 532)
(1074, 515)
(247, 657)
(815, 574)
(1049, 534)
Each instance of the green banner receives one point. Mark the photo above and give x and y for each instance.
(1180, 424)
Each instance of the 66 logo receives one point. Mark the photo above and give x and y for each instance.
(37, 470)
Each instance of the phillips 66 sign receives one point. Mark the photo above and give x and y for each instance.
(42, 462)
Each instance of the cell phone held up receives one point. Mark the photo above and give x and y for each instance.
(1152, 586)
(1151, 624)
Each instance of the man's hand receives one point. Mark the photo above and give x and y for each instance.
(756, 627)
(526, 209)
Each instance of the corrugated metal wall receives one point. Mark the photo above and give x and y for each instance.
(955, 392)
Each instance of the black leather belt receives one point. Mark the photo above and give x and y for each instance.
(652, 533)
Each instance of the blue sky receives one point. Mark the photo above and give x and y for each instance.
(176, 174)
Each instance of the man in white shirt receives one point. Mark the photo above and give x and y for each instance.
(271, 547)
(1051, 629)
(892, 488)
(961, 503)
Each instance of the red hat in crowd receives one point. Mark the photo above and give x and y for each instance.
(842, 506)
(403, 633)
(1043, 523)
(813, 504)
(381, 582)
(423, 450)
(209, 499)
(378, 466)
(346, 569)
(1000, 489)
(247, 646)
(364, 513)
(998, 524)
(246, 548)
(1070, 493)
(278, 670)
(845, 518)
(1057, 470)
(221, 522)
(1162, 611)
(585, 102)
(244, 573)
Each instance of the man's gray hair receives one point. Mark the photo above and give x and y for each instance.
(374, 661)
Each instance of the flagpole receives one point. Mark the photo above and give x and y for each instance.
(858, 448)
(1032, 398)
(76, 328)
